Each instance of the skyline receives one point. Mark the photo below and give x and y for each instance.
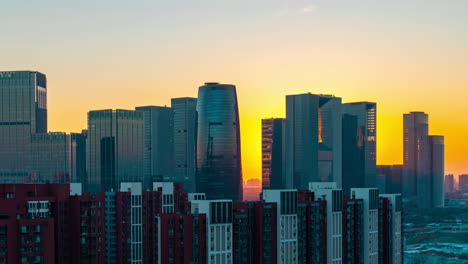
(110, 60)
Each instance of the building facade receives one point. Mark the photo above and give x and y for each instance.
(185, 138)
(318, 117)
(115, 149)
(23, 97)
(273, 153)
(158, 144)
(359, 145)
(219, 171)
(415, 128)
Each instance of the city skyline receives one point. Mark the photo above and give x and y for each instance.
(394, 59)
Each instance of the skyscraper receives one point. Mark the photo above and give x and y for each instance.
(115, 151)
(415, 128)
(185, 138)
(219, 171)
(159, 144)
(430, 174)
(389, 178)
(23, 112)
(313, 139)
(463, 183)
(273, 153)
(359, 145)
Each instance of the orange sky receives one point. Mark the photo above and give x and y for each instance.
(404, 55)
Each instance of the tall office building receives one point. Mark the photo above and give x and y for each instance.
(219, 172)
(415, 128)
(23, 112)
(449, 183)
(185, 139)
(328, 191)
(159, 144)
(273, 153)
(430, 174)
(115, 150)
(359, 145)
(313, 140)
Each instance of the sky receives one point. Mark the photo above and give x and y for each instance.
(406, 55)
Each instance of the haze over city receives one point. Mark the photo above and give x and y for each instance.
(403, 55)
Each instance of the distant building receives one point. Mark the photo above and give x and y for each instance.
(158, 144)
(219, 171)
(313, 140)
(185, 141)
(359, 145)
(463, 183)
(415, 128)
(430, 176)
(273, 153)
(449, 183)
(252, 190)
(115, 149)
(23, 112)
(389, 178)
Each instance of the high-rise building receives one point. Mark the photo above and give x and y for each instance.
(389, 178)
(463, 183)
(185, 139)
(370, 214)
(286, 221)
(359, 145)
(273, 153)
(415, 128)
(390, 229)
(430, 174)
(313, 140)
(158, 144)
(23, 112)
(115, 150)
(449, 183)
(219, 229)
(219, 171)
(328, 191)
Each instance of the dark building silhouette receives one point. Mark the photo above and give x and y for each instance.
(389, 178)
(313, 140)
(359, 145)
(273, 153)
(219, 172)
(23, 112)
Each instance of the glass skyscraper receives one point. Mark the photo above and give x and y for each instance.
(313, 140)
(415, 128)
(23, 112)
(185, 138)
(159, 144)
(219, 172)
(359, 145)
(115, 150)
